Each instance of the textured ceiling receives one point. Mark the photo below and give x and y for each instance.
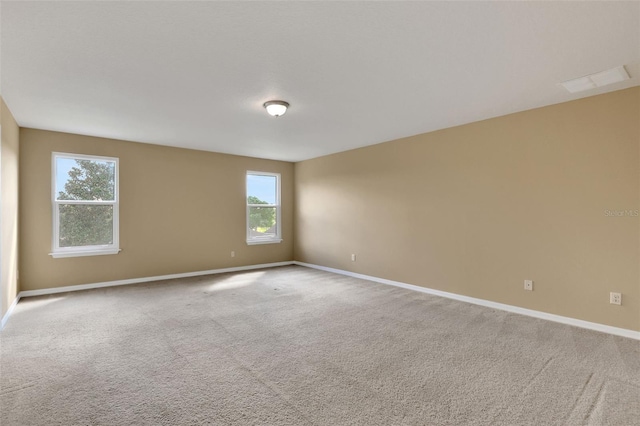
(195, 74)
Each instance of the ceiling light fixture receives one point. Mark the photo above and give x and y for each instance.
(276, 108)
(591, 81)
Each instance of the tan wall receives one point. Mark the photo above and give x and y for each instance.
(9, 285)
(180, 211)
(477, 209)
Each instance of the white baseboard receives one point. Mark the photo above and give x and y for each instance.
(6, 316)
(487, 303)
(29, 293)
(45, 291)
(495, 305)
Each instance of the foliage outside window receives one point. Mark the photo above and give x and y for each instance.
(85, 205)
(263, 208)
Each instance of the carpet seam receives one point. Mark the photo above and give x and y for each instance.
(594, 404)
(255, 375)
(575, 404)
(504, 407)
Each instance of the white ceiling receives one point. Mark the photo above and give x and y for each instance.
(195, 74)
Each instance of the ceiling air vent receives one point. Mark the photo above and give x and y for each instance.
(603, 78)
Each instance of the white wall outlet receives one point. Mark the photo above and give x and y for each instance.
(528, 285)
(233, 254)
(615, 298)
(353, 257)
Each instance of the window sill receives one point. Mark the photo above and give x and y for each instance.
(79, 253)
(269, 241)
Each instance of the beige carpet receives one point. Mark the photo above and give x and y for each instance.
(296, 346)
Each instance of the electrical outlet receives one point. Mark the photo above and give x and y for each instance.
(615, 298)
(353, 257)
(233, 254)
(528, 285)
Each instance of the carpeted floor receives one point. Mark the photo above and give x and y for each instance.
(297, 346)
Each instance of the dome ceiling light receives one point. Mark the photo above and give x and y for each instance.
(276, 108)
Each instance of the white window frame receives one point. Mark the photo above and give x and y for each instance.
(94, 250)
(271, 239)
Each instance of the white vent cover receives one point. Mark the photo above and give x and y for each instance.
(603, 78)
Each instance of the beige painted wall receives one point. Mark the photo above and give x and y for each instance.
(477, 209)
(180, 211)
(9, 151)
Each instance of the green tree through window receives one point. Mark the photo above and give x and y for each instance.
(263, 208)
(87, 224)
(90, 180)
(260, 218)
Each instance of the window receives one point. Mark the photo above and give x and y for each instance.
(85, 205)
(263, 208)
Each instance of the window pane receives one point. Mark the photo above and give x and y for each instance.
(262, 222)
(85, 225)
(262, 189)
(78, 179)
